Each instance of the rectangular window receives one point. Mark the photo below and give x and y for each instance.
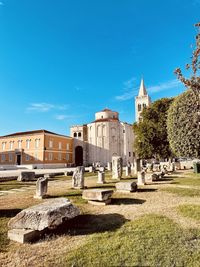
(37, 143)
(67, 146)
(59, 156)
(129, 154)
(11, 145)
(19, 144)
(27, 157)
(3, 158)
(67, 157)
(10, 157)
(3, 145)
(59, 145)
(50, 143)
(28, 144)
(50, 156)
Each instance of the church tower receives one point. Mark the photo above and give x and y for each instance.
(141, 101)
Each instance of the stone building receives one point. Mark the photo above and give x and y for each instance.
(36, 148)
(99, 140)
(141, 101)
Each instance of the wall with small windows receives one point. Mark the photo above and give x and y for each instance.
(35, 148)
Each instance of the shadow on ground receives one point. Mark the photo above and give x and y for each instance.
(9, 213)
(146, 190)
(127, 201)
(88, 224)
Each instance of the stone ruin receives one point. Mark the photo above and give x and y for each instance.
(98, 196)
(26, 176)
(41, 187)
(101, 177)
(78, 178)
(117, 167)
(30, 223)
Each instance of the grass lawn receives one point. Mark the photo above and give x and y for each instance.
(14, 184)
(190, 179)
(191, 211)
(149, 241)
(184, 192)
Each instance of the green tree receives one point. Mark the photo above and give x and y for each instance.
(183, 122)
(151, 133)
(182, 126)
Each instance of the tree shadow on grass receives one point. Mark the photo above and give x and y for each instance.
(9, 213)
(88, 224)
(127, 201)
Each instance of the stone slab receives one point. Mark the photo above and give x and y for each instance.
(97, 194)
(126, 186)
(48, 214)
(22, 235)
(100, 203)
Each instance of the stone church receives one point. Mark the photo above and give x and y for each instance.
(106, 136)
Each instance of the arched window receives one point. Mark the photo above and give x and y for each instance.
(75, 134)
(139, 107)
(79, 134)
(144, 105)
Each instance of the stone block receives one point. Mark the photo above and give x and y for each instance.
(48, 214)
(100, 203)
(78, 177)
(26, 176)
(97, 194)
(126, 186)
(23, 235)
(41, 187)
(117, 167)
(141, 178)
(101, 178)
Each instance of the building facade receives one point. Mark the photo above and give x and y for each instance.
(35, 148)
(142, 101)
(103, 138)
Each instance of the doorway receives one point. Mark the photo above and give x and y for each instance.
(79, 156)
(18, 159)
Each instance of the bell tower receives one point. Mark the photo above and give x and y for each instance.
(141, 101)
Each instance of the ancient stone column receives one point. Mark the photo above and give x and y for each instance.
(117, 167)
(41, 187)
(128, 170)
(101, 177)
(141, 178)
(78, 177)
(109, 166)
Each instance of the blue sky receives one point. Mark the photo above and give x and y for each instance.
(62, 61)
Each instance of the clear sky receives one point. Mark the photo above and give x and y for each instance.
(62, 61)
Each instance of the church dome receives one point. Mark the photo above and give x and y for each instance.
(106, 115)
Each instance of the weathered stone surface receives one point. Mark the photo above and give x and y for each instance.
(126, 186)
(78, 177)
(101, 178)
(49, 214)
(41, 187)
(128, 170)
(97, 194)
(91, 169)
(22, 235)
(116, 167)
(26, 176)
(141, 178)
(109, 166)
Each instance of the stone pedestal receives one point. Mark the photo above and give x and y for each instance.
(97, 196)
(126, 187)
(26, 176)
(109, 166)
(128, 170)
(116, 167)
(23, 235)
(78, 178)
(101, 177)
(41, 187)
(141, 178)
(91, 169)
